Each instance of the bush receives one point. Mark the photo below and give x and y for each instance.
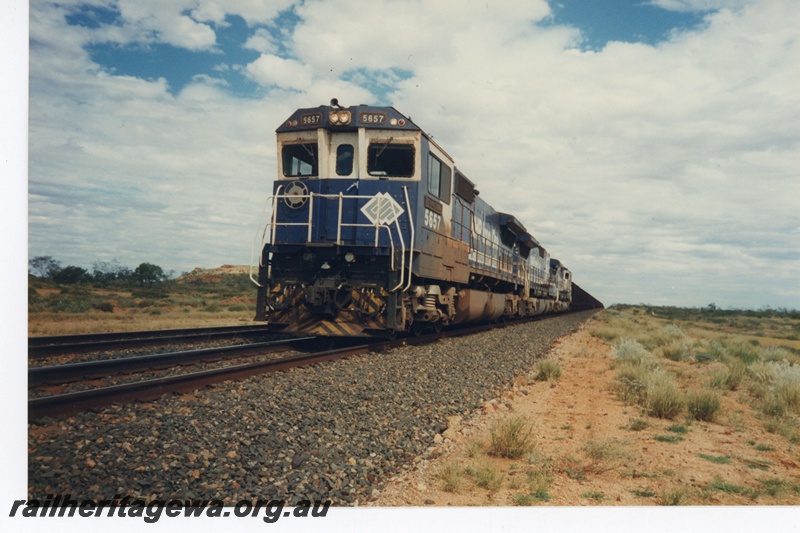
(663, 398)
(486, 476)
(512, 437)
(548, 371)
(777, 384)
(106, 307)
(743, 350)
(703, 404)
(677, 350)
(450, 476)
(631, 351)
(664, 336)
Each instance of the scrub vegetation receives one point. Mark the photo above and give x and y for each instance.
(687, 407)
(756, 352)
(115, 298)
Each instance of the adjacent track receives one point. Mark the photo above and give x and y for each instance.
(154, 388)
(93, 369)
(56, 345)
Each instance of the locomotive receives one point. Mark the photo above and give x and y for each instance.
(374, 231)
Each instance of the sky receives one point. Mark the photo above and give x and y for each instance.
(653, 146)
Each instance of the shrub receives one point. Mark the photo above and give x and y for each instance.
(663, 398)
(674, 496)
(677, 350)
(548, 371)
(638, 424)
(106, 307)
(718, 459)
(450, 476)
(738, 370)
(721, 485)
(486, 476)
(777, 384)
(672, 439)
(743, 350)
(632, 352)
(775, 354)
(678, 428)
(664, 336)
(512, 437)
(703, 404)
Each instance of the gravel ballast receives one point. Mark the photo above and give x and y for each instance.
(335, 431)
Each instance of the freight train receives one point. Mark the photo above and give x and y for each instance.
(374, 231)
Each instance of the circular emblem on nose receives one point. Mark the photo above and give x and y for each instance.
(296, 195)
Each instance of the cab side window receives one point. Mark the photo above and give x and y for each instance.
(439, 179)
(391, 160)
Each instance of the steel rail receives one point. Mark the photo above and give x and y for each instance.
(52, 345)
(58, 374)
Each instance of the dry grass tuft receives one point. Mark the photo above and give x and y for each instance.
(512, 437)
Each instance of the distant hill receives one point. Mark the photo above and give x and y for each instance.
(211, 275)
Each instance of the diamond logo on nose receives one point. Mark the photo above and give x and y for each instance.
(382, 209)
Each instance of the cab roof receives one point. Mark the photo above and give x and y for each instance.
(338, 118)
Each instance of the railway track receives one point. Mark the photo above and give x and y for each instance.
(151, 389)
(67, 344)
(59, 374)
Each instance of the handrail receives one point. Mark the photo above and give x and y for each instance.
(270, 229)
(263, 235)
(411, 243)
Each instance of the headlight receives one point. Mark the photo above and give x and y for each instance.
(340, 117)
(349, 257)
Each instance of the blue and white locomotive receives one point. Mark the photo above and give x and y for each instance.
(374, 231)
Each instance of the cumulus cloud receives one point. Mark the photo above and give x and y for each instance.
(271, 70)
(261, 41)
(156, 21)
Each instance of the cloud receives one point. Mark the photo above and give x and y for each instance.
(262, 41)
(665, 174)
(269, 70)
(687, 6)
